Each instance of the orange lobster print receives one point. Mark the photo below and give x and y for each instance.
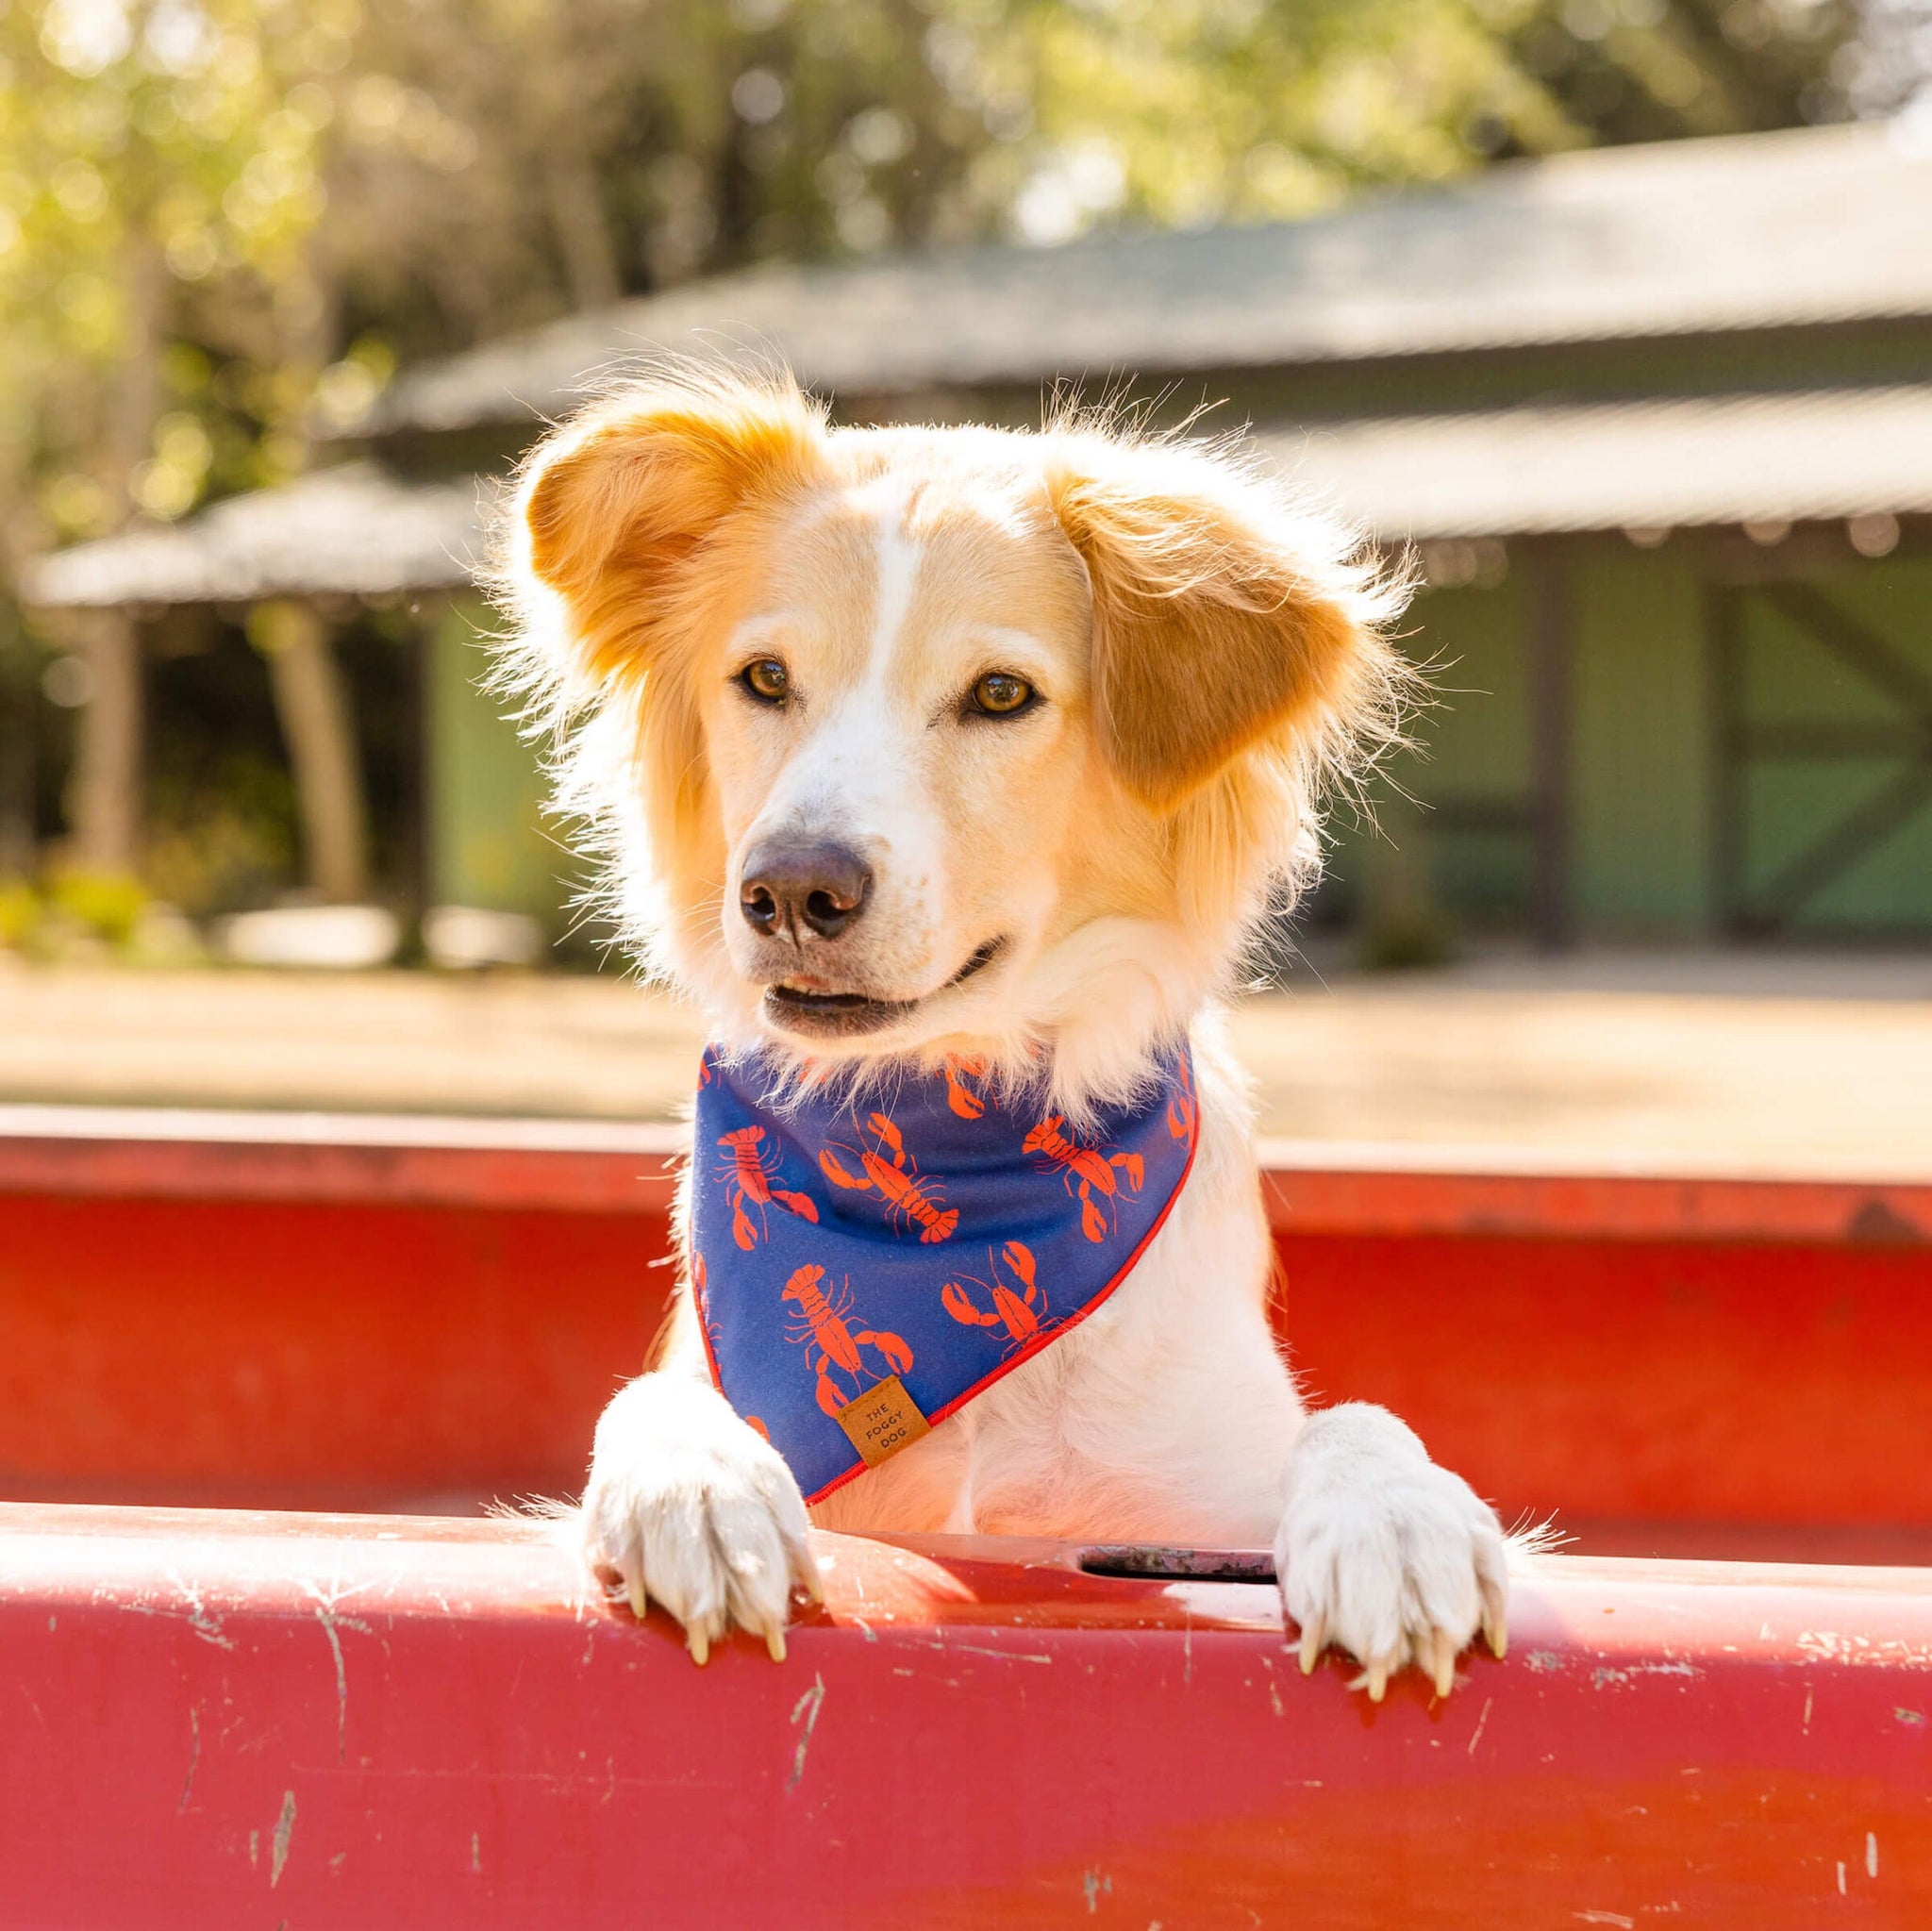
(955, 1069)
(748, 1170)
(831, 1343)
(911, 1197)
(1086, 1170)
(1183, 1109)
(701, 1299)
(1018, 1314)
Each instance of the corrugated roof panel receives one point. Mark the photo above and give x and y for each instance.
(1516, 471)
(1521, 472)
(354, 529)
(1814, 225)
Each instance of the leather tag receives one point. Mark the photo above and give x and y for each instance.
(882, 1421)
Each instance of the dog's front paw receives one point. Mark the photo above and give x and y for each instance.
(687, 1507)
(1384, 1555)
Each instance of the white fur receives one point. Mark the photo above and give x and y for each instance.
(689, 1506)
(856, 780)
(1166, 1416)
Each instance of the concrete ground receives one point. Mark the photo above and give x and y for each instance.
(1711, 1062)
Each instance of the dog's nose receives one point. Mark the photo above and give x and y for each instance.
(799, 885)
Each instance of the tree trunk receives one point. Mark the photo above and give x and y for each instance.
(17, 748)
(576, 219)
(312, 705)
(104, 800)
(104, 793)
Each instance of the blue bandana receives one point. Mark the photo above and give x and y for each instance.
(864, 1270)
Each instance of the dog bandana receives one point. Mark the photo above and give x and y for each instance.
(863, 1269)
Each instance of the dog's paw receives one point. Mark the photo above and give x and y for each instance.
(688, 1508)
(1384, 1555)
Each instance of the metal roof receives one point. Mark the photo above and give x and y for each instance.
(1810, 226)
(354, 528)
(1513, 472)
(1702, 460)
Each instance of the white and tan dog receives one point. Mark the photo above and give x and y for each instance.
(909, 742)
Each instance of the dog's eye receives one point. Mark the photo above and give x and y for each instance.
(767, 679)
(999, 694)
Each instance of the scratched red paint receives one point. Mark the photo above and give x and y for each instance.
(244, 1721)
(259, 1721)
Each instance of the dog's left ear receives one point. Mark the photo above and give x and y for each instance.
(1222, 616)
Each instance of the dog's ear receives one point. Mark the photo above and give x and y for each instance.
(1222, 615)
(613, 504)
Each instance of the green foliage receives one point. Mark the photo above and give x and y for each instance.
(108, 905)
(222, 222)
(159, 184)
(79, 914)
(20, 911)
(222, 838)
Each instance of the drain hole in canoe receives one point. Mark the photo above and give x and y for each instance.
(1152, 1562)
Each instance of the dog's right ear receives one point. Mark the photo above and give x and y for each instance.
(612, 505)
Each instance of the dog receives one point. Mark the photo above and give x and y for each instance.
(908, 749)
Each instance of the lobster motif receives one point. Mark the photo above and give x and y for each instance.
(909, 1195)
(749, 1169)
(1019, 1314)
(831, 1342)
(1184, 1108)
(1085, 1171)
(701, 1301)
(955, 1069)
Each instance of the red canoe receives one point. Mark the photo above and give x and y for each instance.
(257, 1720)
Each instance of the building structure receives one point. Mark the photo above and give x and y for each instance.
(1659, 420)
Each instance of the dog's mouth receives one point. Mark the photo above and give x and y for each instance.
(808, 1004)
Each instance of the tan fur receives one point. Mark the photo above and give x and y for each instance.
(1226, 663)
(1207, 655)
(1216, 625)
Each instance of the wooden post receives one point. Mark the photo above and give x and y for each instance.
(104, 794)
(17, 754)
(103, 798)
(318, 726)
(1723, 629)
(1550, 634)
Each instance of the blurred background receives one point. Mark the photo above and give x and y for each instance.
(1619, 311)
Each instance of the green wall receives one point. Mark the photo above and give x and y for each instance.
(1792, 678)
(1455, 816)
(488, 845)
(1644, 767)
(1640, 765)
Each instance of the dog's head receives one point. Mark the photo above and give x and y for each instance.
(917, 739)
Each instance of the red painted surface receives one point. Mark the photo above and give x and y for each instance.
(221, 1721)
(1649, 1380)
(363, 1316)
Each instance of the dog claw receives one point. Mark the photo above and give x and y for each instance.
(1444, 1668)
(1314, 1639)
(775, 1642)
(639, 1603)
(1375, 1679)
(1495, 1619)
(700, 1647)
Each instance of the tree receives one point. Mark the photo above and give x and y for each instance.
(222, 222)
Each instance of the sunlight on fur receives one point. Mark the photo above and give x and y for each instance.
(1240, 669)
(912, 749)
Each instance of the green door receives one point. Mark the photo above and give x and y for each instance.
(1822, 702)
